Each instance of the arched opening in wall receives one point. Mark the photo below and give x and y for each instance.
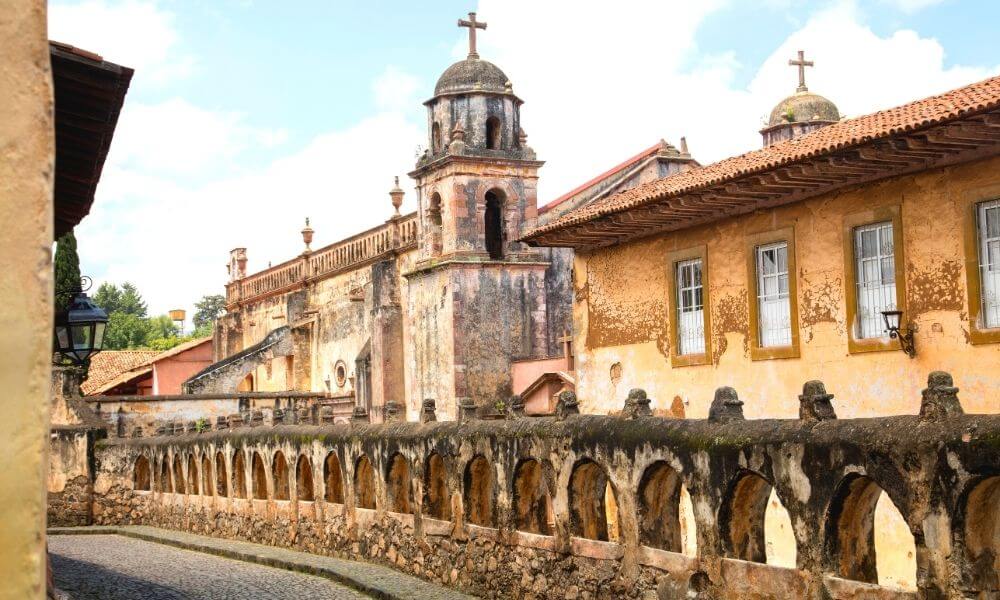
(436, 137)
(437, 504)
(179, 486)
(140, 475)
(981, 532)
(258, 477)
(755, 525)
(494, 222)
(220, 474)
(659, 508)
(239, 475)
(192, 476)
(364, 483)
(399, 486)
(332, 481)
(493, 133)
(592, 503)
(532, 501)
(304, 478)
(163, 484)
(867, 538)
(479, 492)
(279, 470)
(206, 476)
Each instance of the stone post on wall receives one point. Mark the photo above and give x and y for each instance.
(387, 381)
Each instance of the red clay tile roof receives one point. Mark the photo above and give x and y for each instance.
(972, 99)
(109, 365)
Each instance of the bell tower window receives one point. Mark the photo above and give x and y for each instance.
(436, 137)
(495, 224)
(434, 223)
(492, 133)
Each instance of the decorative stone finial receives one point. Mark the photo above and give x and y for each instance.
(940, 399)
(276, 417)
(467, 409)
(304, 416)
(428, 410)
(394, 412)
(307, 236)
(684, 146)
(726, 406)
(256, 418)
(359, 416)
(508, 87)
(396, 193)
(814, 403)
(137, 431)
(515, 407)
(457, 145)
(567, 405)
(636, 405)
(326, 415)
(221, 423)
(236, 420)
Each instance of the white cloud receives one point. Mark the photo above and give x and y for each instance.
(395, 90)
(134, 33)
(912, 6)
(609, 81)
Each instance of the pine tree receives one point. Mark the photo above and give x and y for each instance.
(67, 270)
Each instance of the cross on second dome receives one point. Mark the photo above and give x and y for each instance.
(801, 63)
(473, 25)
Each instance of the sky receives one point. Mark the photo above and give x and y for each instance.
(244, 117)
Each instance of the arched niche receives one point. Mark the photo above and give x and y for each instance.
(163, 483)
(239, 475)
(364, 483)
(304, 479)
(867, 538)
(141, 477)
(660, 508)
(206, 475)
(480, 491)
(437, 503)
(755, 524)
(220, 474)
(495, 223)
(258, 477)
(532, 500)
(333, 483)
(493, 133)
(192, 487)
(980, 535)
(179, 487)
(399, 485)
(279, 470)
(592, 503)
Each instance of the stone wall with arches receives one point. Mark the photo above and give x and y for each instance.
(596, 506)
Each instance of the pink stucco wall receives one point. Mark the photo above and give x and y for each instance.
(170, 372)
(525, 372)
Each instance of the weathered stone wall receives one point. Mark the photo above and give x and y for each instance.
(591, 506)
(69, 481)
(622, 331)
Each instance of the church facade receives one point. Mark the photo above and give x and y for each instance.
(438, 304)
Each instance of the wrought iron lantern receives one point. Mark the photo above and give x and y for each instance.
(79, 332)
(893, 319)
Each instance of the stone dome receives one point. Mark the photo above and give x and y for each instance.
(471, 74)
(803, 107)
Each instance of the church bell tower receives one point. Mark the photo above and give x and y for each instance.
(476, 294)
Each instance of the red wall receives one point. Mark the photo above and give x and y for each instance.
(169, 373)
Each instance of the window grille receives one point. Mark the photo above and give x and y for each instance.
(988, 225)
(773, 304)
(690, 308)
(875, 261)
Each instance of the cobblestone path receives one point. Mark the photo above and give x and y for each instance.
(112, 567)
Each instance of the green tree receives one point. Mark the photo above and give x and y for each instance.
(108, 297)
(131, 301)
(162, 327)
(67, 270)
(126, 331)
(207, 310)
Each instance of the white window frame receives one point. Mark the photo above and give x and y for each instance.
(988, 244)
(875, 277)
(690, 306)
(774, 307)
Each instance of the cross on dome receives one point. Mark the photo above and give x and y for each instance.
(473, 25)
(801, 63)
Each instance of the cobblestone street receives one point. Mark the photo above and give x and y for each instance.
(111, 567)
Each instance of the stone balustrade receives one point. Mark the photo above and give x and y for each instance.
(577, 506)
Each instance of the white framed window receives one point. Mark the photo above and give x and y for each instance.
(988, 234)
(773, 304)
(690, 307)
(875, 264)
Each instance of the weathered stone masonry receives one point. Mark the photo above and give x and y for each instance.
(518, 507)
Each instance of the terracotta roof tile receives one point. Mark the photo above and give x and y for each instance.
(108, 365)
(978, 97)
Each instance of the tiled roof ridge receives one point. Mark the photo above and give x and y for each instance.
(974, 98)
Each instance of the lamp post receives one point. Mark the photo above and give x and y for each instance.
(79, 330)
(893, 319)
